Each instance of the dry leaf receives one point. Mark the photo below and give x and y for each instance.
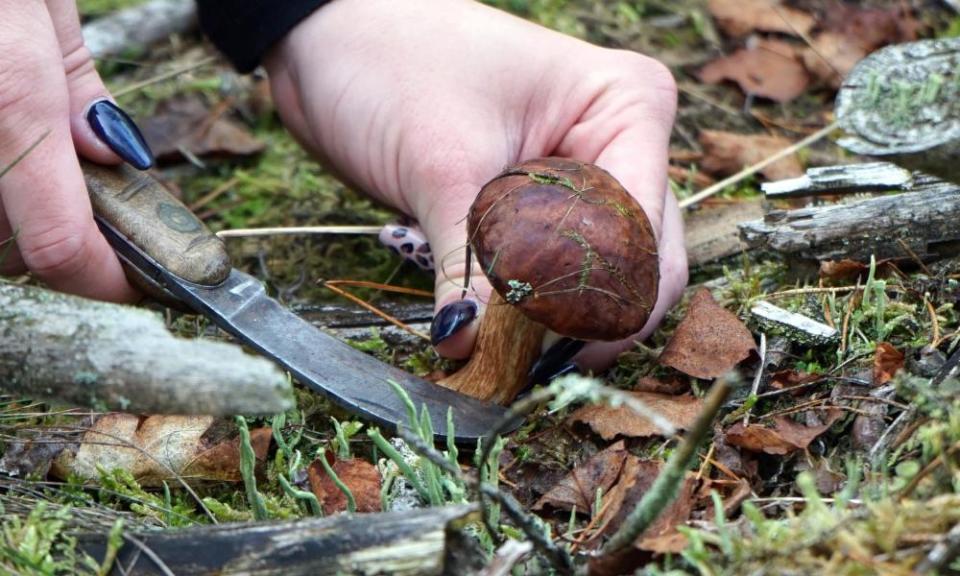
(727, 152)
(842, 271)
(784, 437)
(886, 361)
(851, 33)
(609, 422)
(185, 123)
(359, 476)
(636, 478)
(579, 488)
(733, 492)
(741, 17)
(657, 386)
(789, 378)
(769, 68)
(709, 341)
(158, 448)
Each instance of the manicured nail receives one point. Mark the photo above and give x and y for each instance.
(118, 131)
(554, 361)
(451, 318)
(409, 242)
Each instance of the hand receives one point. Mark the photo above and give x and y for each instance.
(48, 86)
(421, 103)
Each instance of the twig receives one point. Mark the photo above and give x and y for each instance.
(942, 554)
(159, 563)
(162, 77)
(333, 286)
(664, 488)
(879, 448)
(755, 386)
(291, 230)
(751, 170)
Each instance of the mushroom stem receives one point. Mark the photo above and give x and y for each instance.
(507, 346)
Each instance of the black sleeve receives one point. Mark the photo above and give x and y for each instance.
(245, 29)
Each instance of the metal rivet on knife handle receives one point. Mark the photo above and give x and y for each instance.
(138, 205)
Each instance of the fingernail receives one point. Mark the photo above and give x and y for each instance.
(409, 242)
(554, 360)
(120, 133)
(451, 318)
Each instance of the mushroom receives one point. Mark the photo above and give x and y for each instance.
(566, 249)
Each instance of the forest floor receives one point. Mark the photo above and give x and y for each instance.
(844, 458)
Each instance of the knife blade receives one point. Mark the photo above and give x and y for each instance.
(168, 247)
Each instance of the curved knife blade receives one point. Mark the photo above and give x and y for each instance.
(348, 377)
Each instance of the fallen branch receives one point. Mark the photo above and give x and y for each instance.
(922, 220)
(139, 26)
(109, 357)
(408, 543)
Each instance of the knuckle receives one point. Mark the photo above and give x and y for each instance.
(650, 82)
(77, 61)
(56, 252)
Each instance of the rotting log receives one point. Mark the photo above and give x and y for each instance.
(104, 356)
(902, 104)
(411, 543)
(921, 223)
(710, 231)
(139, 26)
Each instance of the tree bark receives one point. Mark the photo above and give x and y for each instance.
(109, 357)
(921, 223)
(901, 104)
(418, 542)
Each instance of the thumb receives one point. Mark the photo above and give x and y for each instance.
(461, 290)
(101, 131)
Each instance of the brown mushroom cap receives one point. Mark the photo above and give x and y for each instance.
(565, 243)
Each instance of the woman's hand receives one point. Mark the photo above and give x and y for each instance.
(420, 103)
(50, 93)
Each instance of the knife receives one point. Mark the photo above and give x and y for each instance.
(171, 254)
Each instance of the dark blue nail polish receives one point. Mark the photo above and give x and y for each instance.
(555, 359)
(118, 131)
(451, 318)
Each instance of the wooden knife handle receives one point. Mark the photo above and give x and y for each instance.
(140, 208)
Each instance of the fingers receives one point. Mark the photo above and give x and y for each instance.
(626, 129)
(43, 196)
(102, 132)
(455, 324)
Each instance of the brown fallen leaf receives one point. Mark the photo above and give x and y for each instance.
(768, 68)
(359, 476)
(659, 386)
(709, 341)
(887, 360)
(789, 378)
(785, 436)
(661, 536)
(184, 123)
(579, 487)
(727, 152)
(158, 448)
(842, 271)
(733, 494)
(849, 34)
(741, 17)
(610, 422)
